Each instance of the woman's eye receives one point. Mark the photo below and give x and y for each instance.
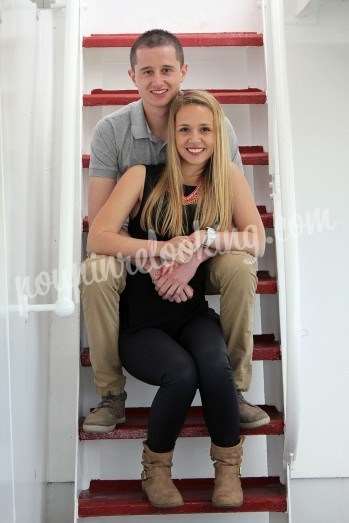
(205, 129)
(183, 129)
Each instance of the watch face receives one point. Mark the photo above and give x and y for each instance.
(210, 236)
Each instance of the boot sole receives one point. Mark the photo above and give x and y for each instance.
(227, 505)
(102, 429)
(166, 506)
(255, 424)
(157, 505)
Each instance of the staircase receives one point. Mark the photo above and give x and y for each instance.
(109, 464)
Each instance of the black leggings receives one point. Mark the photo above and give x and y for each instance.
(196, 358)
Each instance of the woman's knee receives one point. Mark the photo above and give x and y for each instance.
(182, 375)
(214, 357)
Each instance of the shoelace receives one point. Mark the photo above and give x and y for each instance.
(107, 401)
(149, 467)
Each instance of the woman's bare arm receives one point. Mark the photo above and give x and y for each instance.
(104, 234)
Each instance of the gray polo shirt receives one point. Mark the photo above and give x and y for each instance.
(123, 139)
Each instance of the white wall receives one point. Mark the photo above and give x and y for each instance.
(320, 500)
(24, 356)
(30, 161)
(318, 73)
(137, 16)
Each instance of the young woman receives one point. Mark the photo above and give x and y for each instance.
(199, 204)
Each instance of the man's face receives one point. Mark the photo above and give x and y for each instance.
(157, 75)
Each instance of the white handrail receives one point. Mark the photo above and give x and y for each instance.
(64, 306)
(285, 215)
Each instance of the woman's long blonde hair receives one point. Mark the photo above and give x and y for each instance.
(163, 211)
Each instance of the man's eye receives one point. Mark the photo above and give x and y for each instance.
(146, 73)
(166, 70)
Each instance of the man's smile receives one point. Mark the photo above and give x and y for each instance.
(158, 92)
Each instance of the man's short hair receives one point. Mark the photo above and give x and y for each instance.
(156, 38)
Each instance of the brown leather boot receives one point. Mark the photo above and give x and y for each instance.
(156, 479)
(227, 485)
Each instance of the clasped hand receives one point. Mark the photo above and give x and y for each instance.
(179, 249)
(171, 281)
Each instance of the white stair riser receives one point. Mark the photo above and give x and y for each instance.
(229, 68)
(136, 16)
(121, 459)
(141, 394)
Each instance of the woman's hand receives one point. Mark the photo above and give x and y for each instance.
(171, 282)
(179, 249)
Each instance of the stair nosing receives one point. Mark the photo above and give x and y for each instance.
(194, 426)
(215, 39)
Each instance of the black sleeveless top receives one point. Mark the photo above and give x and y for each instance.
(140, 304)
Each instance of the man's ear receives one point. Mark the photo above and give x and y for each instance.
(131, 74)
(184, 70)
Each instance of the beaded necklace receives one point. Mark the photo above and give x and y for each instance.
(191, 198)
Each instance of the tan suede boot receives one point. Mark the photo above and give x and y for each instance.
(156, 479)
(227, 485)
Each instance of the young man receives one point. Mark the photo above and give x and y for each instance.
(136, 134)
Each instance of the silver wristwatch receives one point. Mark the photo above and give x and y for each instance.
(210, 237)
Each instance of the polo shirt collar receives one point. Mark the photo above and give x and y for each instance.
(139, 124)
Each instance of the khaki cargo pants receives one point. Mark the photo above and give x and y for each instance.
(232, 275)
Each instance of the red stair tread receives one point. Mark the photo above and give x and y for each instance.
(253, 155)
(125, 497)
(266, 284)
(250, 155)
(267, 217)
(186, 39)
(194, 426)
(265, 348)
(224, 96)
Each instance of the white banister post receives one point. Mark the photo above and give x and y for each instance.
(282, 170)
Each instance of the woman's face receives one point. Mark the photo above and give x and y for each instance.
(194, 134)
